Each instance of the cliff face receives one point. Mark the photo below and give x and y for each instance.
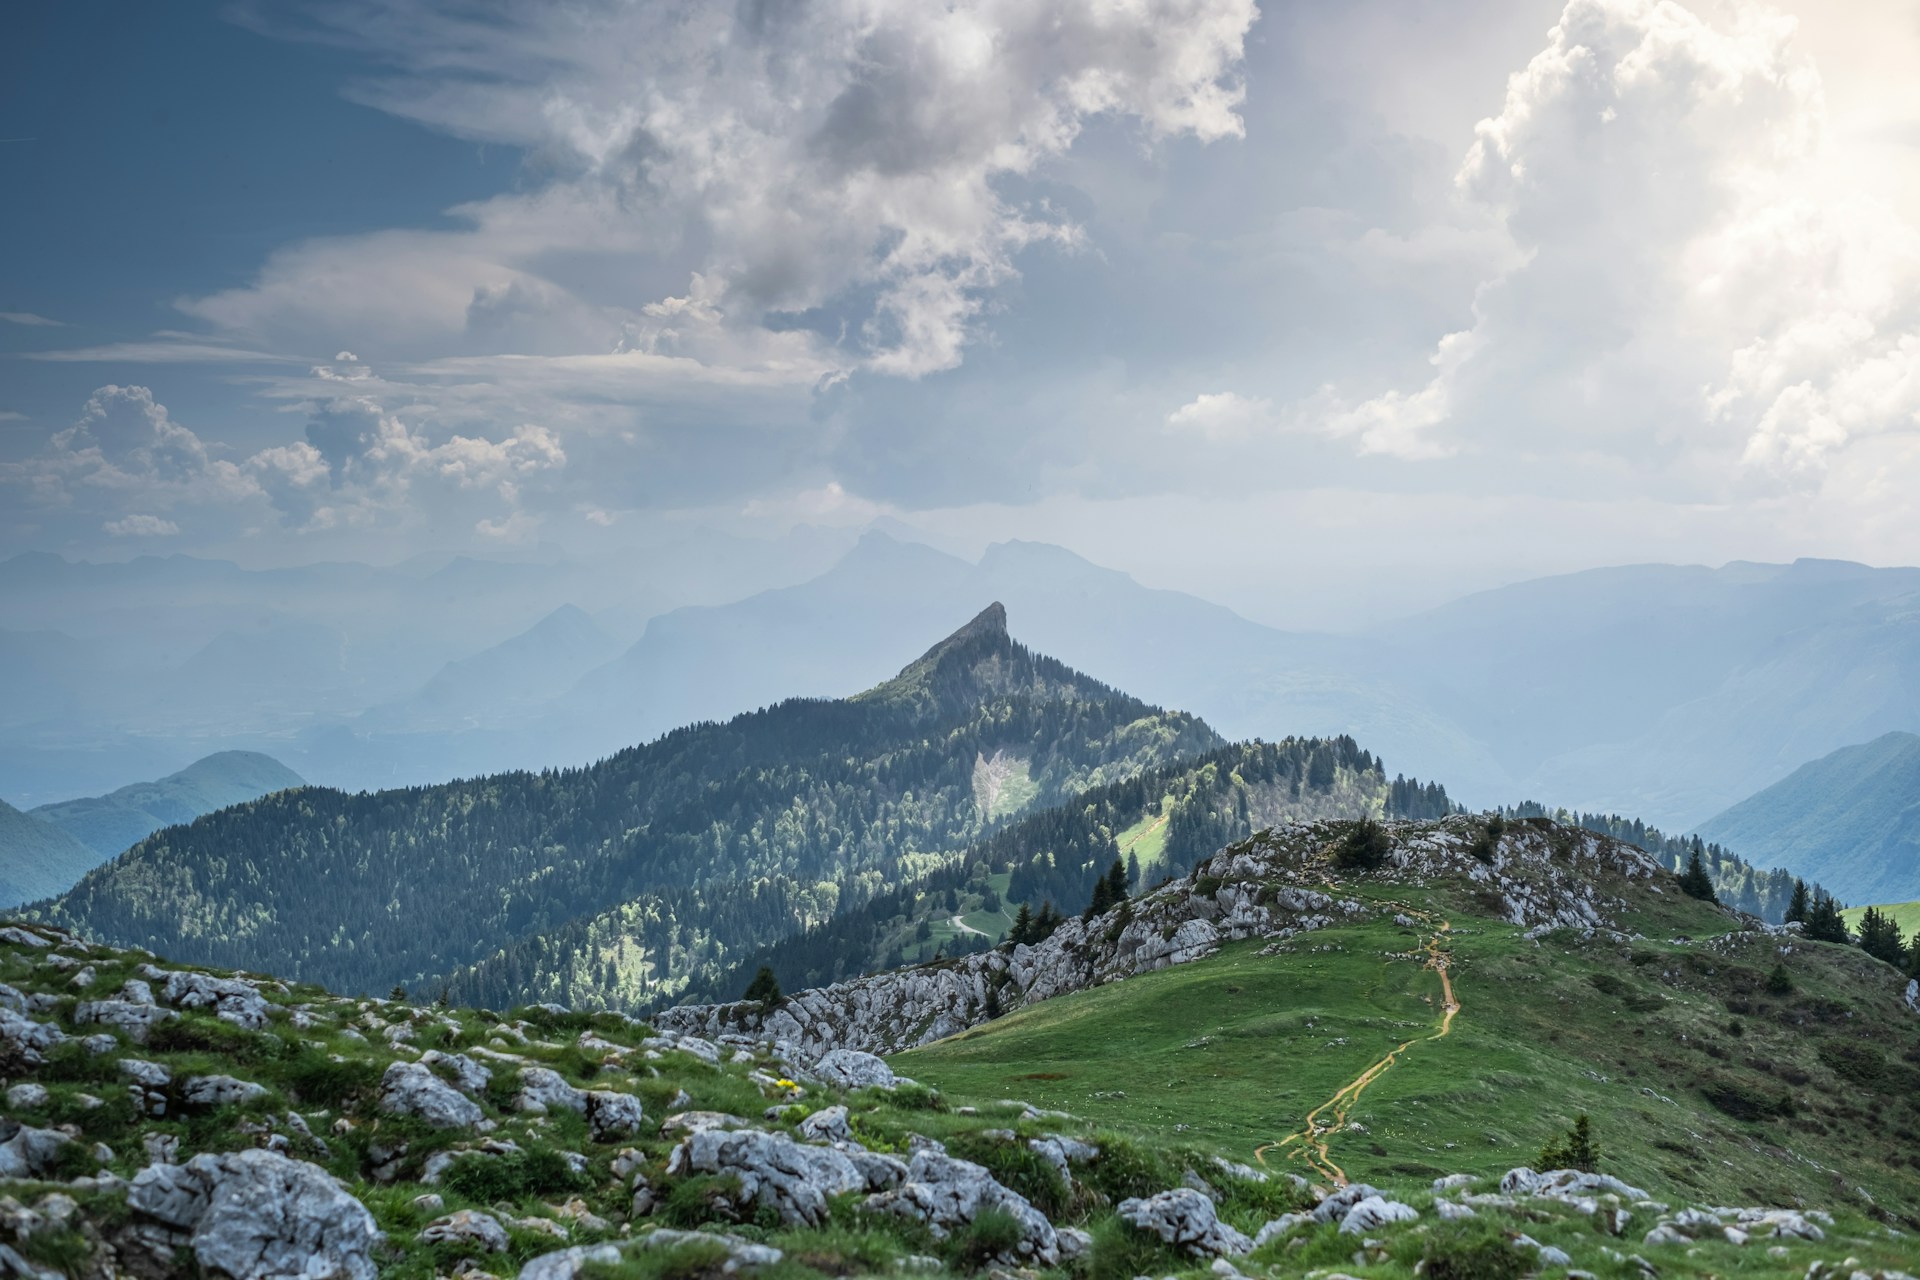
(1276, 885)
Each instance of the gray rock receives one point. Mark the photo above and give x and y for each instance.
(543, 1089)
(252, 1215)
(695, 1121)
(612, 1116)
(1185, 1219)
(1334, 1207)
(99, 1042)
(467, 1075)
(948, 1194)
(28, 1038)
(231, 999)
(1061, 1152)
(409, 1089)
(773, 1170)
(1448, 1211)
(134, 1021)
(219, 1091)
(31, 1152)
(467, 1227)
(566, 1264)
(137, 991)
(12, 998)
(1373, 1213)
(829, 1124)
(27, 1095)
(22, 937)
(1284, 1225)
(882, 1172)
(852, 1069)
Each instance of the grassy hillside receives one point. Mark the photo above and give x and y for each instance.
(37, 859)
(619, 882)
(114, 822)
(1904, 914)
(1850, 820)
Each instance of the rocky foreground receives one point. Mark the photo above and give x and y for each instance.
(168, 1121)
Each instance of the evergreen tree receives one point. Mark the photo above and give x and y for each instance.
(1824, 923)
(1780, 982)
(1695, 881)
(398, 995)
(764, 989)
(1046, 922)
(1102, 898)
(1133, 871)
(1573, 1149)
(1022, 930)
(1364, 847)
(1880, 937)
(1797, 908)
(1116, 882)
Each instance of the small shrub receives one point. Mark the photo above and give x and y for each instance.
(1121, 1253)
(1472, 1250)
(1856, 1063)
(513, 1176)
(692, 1201)
(1364, 847)
(1779, 982)
(914, 1097)
(210, 1035)
(1607, 984)
(1018, 1167)
(318, 1081)
(1742, 1103)
(994, 1234)
(1124, 1169)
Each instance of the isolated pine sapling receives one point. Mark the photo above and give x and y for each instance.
(1797, 906)
(764, 990)
(1022, 930)
(1572, 1150)
(1695, 881)
(1364, 847)
(1780, 982)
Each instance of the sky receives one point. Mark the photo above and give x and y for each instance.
(1321, 310)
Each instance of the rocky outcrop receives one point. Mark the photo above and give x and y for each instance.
(852, 1069)
(467, 1227)
(791, 1178)
(1185, 1219)
(27, 1038)
(256, 1214)
(28, 1152)
(409, 1089)
(612, 1116)
(1542, 876)
(207, 1092)
(131, 1018)
(948, 1194)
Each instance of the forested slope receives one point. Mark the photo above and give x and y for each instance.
(712, 839)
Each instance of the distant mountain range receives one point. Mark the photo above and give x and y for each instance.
(1850, 820)
(46, 850)
(1663, 692)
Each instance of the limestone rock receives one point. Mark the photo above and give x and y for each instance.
(543, 1089)
(28, 1152)
(256, 1214)
(230, 999)
(409, 1089)
(829, 1125)
(219, 1091)
(28, 1038)
(468, 1076)
(773, 1170)
(1373, 1213)
(948, 1194)
(1185, 1219)
(467, 1227)
(612, 1116)
(852, 1069)
(132, 1020)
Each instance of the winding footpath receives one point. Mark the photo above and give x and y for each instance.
(1330, 1117)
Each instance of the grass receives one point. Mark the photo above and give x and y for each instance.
(1146, 840)
(1682, 1060)
(1904, 914)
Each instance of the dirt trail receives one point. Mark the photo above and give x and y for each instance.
(1330, 1117)
(964, 927)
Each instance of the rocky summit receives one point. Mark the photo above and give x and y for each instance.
(167, 1120)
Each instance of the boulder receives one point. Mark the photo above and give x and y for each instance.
(467, 1227)
(1284, 1225)
(134, 1021)
(1334, 1207)
(31, 1153)
(468, 1076)
(695, 1121)
(829, 1125)
(28, 1038)
(852, 1069)
(791, 1178)
(28, 1095)
(948, 1194)
(612, 1116)
(1061, 1151)
(409, 1089)
(1373, 1213)
(219, 1091)
(543, 1089)
(1185, 1219)
(251, 1215)
(230, 999)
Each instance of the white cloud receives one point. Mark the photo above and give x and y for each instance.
(848, 163)
(30, 320)
(1683, 286)
(1222, 415)
(141, 525)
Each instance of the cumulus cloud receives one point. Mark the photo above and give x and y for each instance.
(1221, 415)
(125, 459)
(818, 187)
(1656, 166)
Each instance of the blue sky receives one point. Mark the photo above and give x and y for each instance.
(1387, 284)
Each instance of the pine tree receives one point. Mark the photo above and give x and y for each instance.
(1116, 882)
(1880, 937)
(1572, 1150)
(1101, 900)
(1133, 870)
(1022, 930)
(1695, 882)
(764, 990)
(1780, 982)
(1824, 923)
(1797, 907)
